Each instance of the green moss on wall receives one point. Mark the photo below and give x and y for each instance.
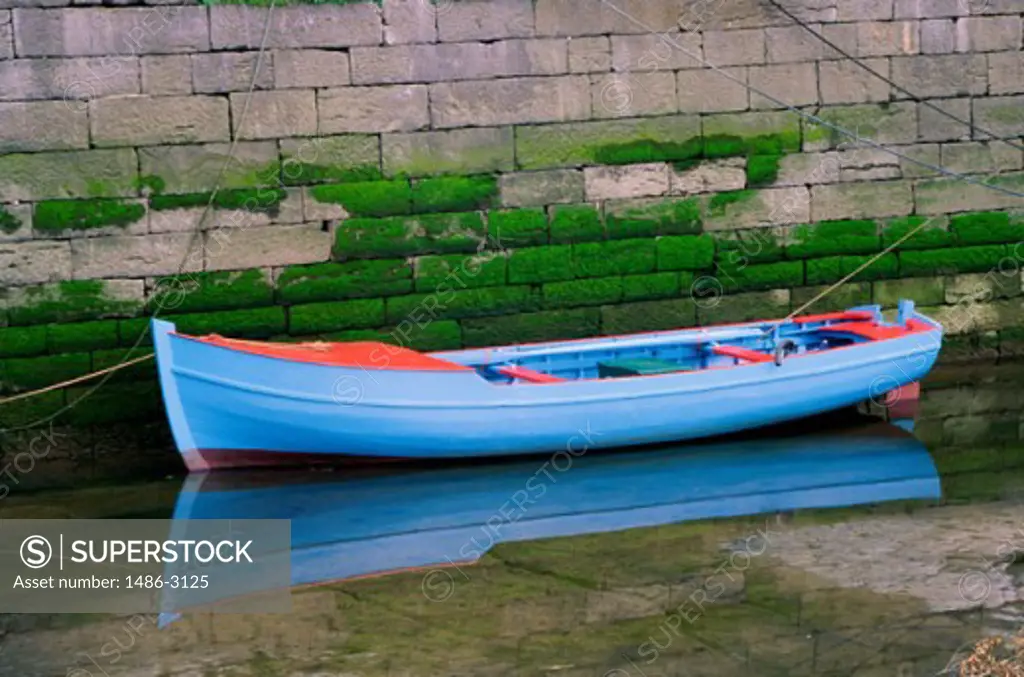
(540, 264)
(458, 271)
(648, 150)
(317, 318)
(933, 236)
(151, 184)
(986, 228)
(436, 335)
(685, 252)
(261, 200)
(759, 245)
(406, 236)
(615, 257)
(69, 338)
(368, 198)
(454, 193)
(549, 325)
(762, 170)
(577, 293)
(22, 341)
(57, 215)
(305, 173)
(336, 281)
(654, 286)
(828, 238)
(9, 223)
(28, 373)
(143, 371)
(517, 227)
(783, 274)
(70, 301)
(951, 261)
(249, 323)
(834, 268)
(422, 308)
(648, 316)
(576, 223)
(220, 290)
(115, 402)
(645, 218)
(31, 410)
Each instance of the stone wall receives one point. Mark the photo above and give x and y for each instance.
(487, 171)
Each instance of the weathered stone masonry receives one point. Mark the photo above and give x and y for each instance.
(484, 171)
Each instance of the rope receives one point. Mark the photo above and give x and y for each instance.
(810, 117)
(885, 79)
(195, 234)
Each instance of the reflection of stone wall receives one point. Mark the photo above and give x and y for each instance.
(487, 171)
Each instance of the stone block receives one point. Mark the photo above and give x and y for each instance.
(735, 48)
(167, 75)
(794, 84)
(983, 287)
(70, 80)
(34, 262)
(942, 75)
(22, 227)
(147, 120)
(595, 17)
(408, 21)
(931, 9)
(988, 34)
(528, 189)
(808, 169)
(269, 246)
(760, 208)
(946, 195)
(590, 55)
(786, 44)
(314, 210)
(864, 10)
(1006, 73)
(196, 169)
(298, 68)
(846, 82)
(868, 164)
(459, 151)
(463, 21)
(132, 256)
(579, 143)
(934, 126)
(656, 51)
(894, 123)
(42, 125)
(299, 26)
(272, 115)
(981, 156)
(938, 36)
(619, 95)
(861, 200)
(463, 61)
(510, 101)
(231, 72)
(87, 173)
(392, 108)
(639, 180)
(359, 152)
(1002, 116)
(6, 35)
(916, 154)
(888, 38)
(926, 291)
(711, 176)
(744, 307)
(708, 91)
(122, 31)
(752, 124)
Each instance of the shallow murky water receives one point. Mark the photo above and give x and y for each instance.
(841, 547)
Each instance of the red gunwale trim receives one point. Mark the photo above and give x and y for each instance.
(741, 353)
(528, 375)
(370, 355)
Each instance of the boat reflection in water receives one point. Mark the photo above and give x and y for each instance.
(370, 521)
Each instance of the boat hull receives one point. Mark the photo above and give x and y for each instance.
(225, 406)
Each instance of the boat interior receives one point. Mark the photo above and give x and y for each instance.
(646, 354)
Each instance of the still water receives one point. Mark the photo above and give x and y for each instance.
(846, 545)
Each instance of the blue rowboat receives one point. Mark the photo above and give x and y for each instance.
(377, 521)
(238, 403)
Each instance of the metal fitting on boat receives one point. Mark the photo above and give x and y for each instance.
(783, 348)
